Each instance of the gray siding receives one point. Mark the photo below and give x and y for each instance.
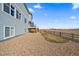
(1, 32)
(0, 6)
(8, 20)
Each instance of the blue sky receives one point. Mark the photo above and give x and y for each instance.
(55, 15)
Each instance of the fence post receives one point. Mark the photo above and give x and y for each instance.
(72, 36)
(60, 34)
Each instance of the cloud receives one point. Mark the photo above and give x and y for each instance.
(37, 6)
(75, 5)
(74, 19)
(31, 10)
(45, 14)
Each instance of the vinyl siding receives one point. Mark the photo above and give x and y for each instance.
(0, 6)
(1, 32)
(8, 20)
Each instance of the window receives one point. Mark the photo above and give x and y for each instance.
(18, 15)
(6, 7)
(12, 31)
(25, 20)
(12, 10)
(7, 31)
(29, 22)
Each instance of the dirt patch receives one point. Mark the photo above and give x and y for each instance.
(34, 44)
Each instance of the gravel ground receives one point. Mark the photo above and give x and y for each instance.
(34, 44)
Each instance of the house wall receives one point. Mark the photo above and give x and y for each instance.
(8, 20)
(0, 7)
(1, 32)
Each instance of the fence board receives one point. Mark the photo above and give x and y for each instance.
(63, 34)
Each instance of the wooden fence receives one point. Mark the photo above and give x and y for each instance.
(65, 35)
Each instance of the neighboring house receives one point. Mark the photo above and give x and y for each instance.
(14, 19)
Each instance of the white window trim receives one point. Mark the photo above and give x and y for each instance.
(19, 14)
(10, 32)
(4, 32)
(10, 9)
(15, 12)
(16, 8)
(2, 7)
(22, 13)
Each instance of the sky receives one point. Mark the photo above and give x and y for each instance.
(55, 15)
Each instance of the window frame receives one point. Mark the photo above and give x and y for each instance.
(25, 20)
(18, 15)
(9, 32)
(12, 10)
(5, 6)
